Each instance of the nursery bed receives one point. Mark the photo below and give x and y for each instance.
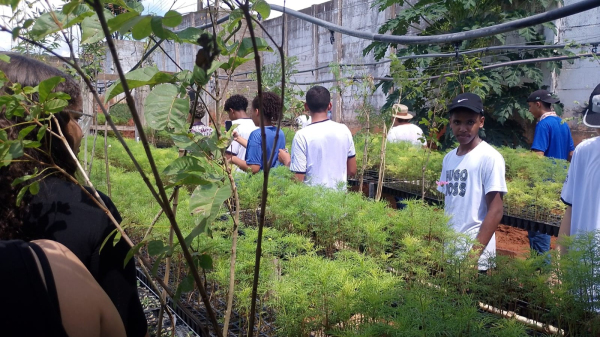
(396, 189)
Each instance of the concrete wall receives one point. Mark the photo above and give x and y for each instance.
(312, 46)
(576, 81)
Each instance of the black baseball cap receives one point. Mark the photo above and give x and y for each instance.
(592, 113)
(468, 101)
(542, 96)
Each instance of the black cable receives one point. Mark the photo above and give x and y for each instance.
(465, 52)
(533, 20)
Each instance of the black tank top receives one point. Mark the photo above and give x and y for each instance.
(27, 308)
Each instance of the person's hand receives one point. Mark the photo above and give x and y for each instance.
(284, 157)
(235, 135)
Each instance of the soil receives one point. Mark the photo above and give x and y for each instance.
(514, 242)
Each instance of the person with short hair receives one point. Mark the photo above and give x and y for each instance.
(552, 139)
(198, 127)
(402, 129)
(236, 107)
(272, 110)
(472, 179)
(580, 190)
(323, 152)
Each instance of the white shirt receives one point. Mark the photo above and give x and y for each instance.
(468, 179)
(244, 128)
(580, 190)
(405, 132)
(321, 151)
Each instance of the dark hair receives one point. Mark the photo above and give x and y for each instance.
(272, 105)
(547, 106)
(318, 99)
(236, 103)
(28, 72)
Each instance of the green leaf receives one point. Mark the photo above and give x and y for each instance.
(22, 179)
(117, 238)
(107, 238)
(56, 105)
(46, 86)
(246, 47)
(34, 188)
(163, 109)
(157, 27)
(186, 285)
(206, 200)
(190, 35)
(184, 164)
(156, 247)
(118, 21)
(70, 7)
(3, 136)
(200, 228)
(134, 250)
(15, 150)
(21, 194)
(41, 132)
(262, 8)
(171, 19)
(205, 261)
(142, 29)
(199, 76)
(5, 58)
(138, 78)
(25, 131)
(12, 3)
(92, 29)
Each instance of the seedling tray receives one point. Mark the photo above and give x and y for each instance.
(397, 189)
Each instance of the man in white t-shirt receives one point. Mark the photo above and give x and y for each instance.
(581, 189)
(323, 151)
(402, 129)
(236, 107)
(473, 180)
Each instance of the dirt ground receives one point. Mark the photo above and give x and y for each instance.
(514, 242)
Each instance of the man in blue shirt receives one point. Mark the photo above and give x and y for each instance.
(272, 108)
(552, 139)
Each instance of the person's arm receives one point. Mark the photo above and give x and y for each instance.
(351, 161)
(490, 222)
(243, 141)
(351, 166)
(539, 153)
(254, 168)
(85, 308)
(298, 160)
(240, 163)
(299, 176)
(284, 157)
(565, 230)
(570, 156)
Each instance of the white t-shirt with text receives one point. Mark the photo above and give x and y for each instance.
(465, 182)
(245, 126)
(405, 133)
(321, 151)
(581, 187)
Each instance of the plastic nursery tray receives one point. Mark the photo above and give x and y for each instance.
(397, 190)
(234, 329)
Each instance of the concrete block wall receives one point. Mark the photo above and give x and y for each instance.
(576, 81)
(312, 46)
